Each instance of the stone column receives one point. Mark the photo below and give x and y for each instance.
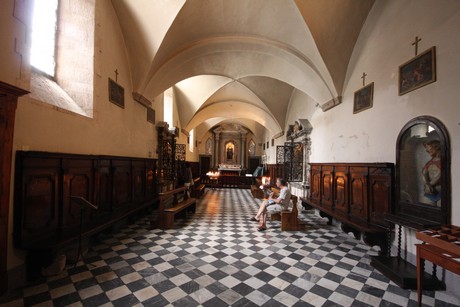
(241, 154)
(217, 150)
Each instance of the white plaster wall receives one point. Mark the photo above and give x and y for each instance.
(385, 43)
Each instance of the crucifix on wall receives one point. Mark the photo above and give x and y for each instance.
(364, 78)
(415, 43)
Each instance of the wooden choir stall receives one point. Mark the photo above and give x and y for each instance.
(356, 194)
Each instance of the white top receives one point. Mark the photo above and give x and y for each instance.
(285, 197)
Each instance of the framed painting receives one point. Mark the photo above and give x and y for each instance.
(417, 72)
(363, 98)
(116, 94)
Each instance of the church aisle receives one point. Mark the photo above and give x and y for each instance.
(217, 258)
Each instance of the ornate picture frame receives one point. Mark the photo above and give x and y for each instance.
(364, 98)
(418, 72)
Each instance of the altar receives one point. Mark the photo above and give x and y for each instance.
(230, 169)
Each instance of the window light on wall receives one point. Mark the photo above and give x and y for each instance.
(44, 35)
(168, 107)
(191, 140)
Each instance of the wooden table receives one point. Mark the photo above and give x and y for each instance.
(436, 255)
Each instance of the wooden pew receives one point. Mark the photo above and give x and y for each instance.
(174, 202)
(288, 218)
(255, 189)
(198, 188)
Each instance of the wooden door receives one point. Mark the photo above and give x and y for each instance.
(205, 164)
(253, 163)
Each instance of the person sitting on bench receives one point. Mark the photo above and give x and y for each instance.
(273, 204)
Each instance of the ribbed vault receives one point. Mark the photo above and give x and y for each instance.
(239, 59)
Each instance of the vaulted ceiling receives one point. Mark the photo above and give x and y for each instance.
(240, 60)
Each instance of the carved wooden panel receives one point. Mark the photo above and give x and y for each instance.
(315, 184)
(78, 176)
(327, 196)
(341, 189)
(39, 215)
(138, 172)
(150, 180)
(103, 197)
(380, 194)
(358, 192)
(122, 189)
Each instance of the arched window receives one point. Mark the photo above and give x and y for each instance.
(62, 64)
(252, 148)
(208, 146)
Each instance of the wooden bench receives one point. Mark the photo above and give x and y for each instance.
(289, 218)
(198, 188)
(257, 192)
(174, 202)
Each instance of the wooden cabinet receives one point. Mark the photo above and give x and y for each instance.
(356, 194)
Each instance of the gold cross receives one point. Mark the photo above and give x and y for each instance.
(364, 78)
(416, 44)
(116, 75)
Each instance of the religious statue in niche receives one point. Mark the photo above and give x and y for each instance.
(420, 169)
(230, 151)
(293, 130)
(431, 172)
(296, 127)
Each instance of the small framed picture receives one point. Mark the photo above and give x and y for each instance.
(363, 98)
(418, 72)
(116, 94)
(151, 115)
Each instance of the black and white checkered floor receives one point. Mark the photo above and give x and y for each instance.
(217, 258)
